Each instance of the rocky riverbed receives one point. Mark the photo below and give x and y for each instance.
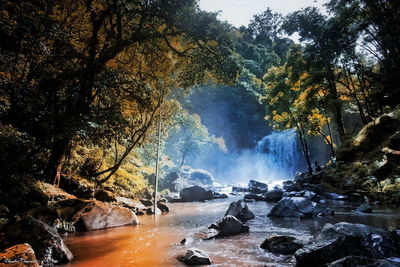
(157, 242)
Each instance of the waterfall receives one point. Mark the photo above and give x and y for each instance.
(277, 155)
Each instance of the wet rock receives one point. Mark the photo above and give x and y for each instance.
(100, 215)
(273, 196)
(217, 195)
(162, 206)
(194, 256)
(147, 202)
(253, 196)
(4, 211)
(334, 196)
(150, 211)
(306, 194)
(257, 187)
(45, 241)
(365, 208)
(105, 195)
(195, 193)
(78, 187)
(286, 245)
(19, 255)
(130, 203)
(228, 226)
(336, 241)
(289, 186)
(362, 261)
(139, 213)
(240, 211)
(298, 207)
(238, 189)
(200, 175)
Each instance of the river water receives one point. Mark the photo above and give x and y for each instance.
(155, 242)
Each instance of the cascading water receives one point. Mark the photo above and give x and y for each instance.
(277, 155)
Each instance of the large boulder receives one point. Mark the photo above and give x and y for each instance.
(100, 215)
(45, 241)
(45, 192)
(273, 196)
(362, 261)
(365, 208)
(286, 245)
(195, 193)
(194, 256)
(253, 196)
(240, 211)
(298, 207)
(343, 239)
(228, 226)
(257, 187)
(19, 255)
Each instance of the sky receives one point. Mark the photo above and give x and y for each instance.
(240, 12)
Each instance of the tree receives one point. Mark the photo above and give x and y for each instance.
(80, 69)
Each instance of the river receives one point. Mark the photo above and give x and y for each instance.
(155, 242)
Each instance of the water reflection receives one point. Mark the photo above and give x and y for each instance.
(155, 242)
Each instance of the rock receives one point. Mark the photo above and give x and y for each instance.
(201, 176)
(19, 255)
(286, 245)
(147, 202)
(273, 196)
(194, 256)
(253, 196)
(150, 211)
(45, 192)
(240, 211)
(238, 189)
(298, 207)
(139, 213)
(334, 196)
(289, 186)
(217, 195)
(195, 193)
(162, 206)
(228, 226)
(130, 203)
(257, 187)
(101, 215)
(105, 195)
(365, 208)
(45, 241)
(78, 187)
(336, 241)
(362, 261)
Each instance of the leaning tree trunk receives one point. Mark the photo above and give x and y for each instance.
(53, 168)
(304, 147)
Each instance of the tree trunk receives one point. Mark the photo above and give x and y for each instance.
(53, 168)
(304, 146)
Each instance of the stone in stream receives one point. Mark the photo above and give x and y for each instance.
(193, 257)
(240, 211)
(227, 226)
(99, 215)
(195, 193)
(19, 255)
(365, 208)
(343, 239)
(257, 187)
(273, 196)
(298, 207)
(45, 241)
(362, 261)
(253, 196)
(286, 245)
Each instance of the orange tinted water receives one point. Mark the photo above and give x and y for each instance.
(155, 242)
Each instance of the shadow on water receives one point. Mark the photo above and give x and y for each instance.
(155, 242)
